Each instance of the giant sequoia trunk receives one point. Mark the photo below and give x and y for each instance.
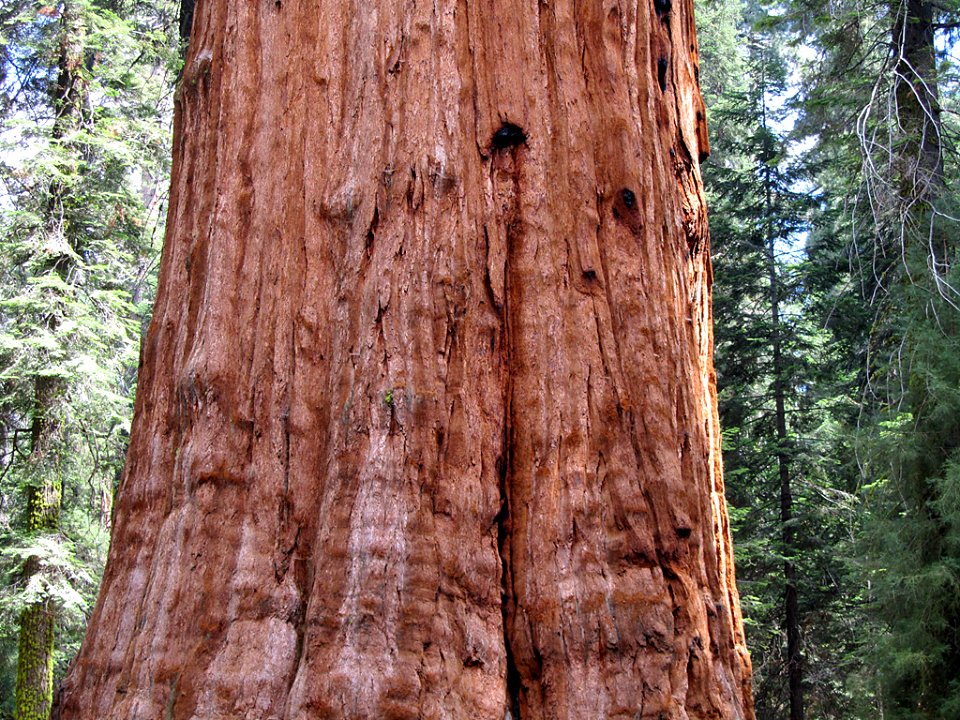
(426, 422)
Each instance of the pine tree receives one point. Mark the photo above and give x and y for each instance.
(778, 377)
(82, 106)
(877, 110)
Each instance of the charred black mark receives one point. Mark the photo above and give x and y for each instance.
(662, 7)
(662, 74)
(629, 199)
(508, 136)
(683, 532)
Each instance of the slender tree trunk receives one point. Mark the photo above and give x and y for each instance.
(35, 662)
(34, 691)
(426, 423)
(791, 617)
(791, 610)
(918, 141)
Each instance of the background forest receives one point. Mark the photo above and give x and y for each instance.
(832, 188)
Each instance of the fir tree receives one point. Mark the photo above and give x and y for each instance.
(85, 102)
(778, 376)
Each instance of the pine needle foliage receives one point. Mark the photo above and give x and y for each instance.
(85, 107)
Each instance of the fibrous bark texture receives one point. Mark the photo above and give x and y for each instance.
(426, 422)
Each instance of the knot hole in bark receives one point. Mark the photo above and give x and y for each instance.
(627, 210)
(662, 74)
(662, 7)
(507, 136)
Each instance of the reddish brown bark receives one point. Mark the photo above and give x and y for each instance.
(426, 423)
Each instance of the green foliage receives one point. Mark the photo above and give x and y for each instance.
(763, 206)
(886, 283)
(60, 573)
(914, 540)
(85, 107)
(872, 353)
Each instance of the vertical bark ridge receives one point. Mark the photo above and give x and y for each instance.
(424, 427)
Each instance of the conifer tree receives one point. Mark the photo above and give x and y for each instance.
(876, 110)
(777, 377)
(84, 130)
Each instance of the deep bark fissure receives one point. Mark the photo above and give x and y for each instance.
(505, 146)
(514, 680)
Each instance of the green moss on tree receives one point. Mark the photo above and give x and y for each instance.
(35, 666)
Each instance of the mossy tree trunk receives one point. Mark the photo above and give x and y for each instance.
(34, 691)
(426, 422)
(35, 660)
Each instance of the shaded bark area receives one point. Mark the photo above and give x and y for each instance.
(426, 421)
